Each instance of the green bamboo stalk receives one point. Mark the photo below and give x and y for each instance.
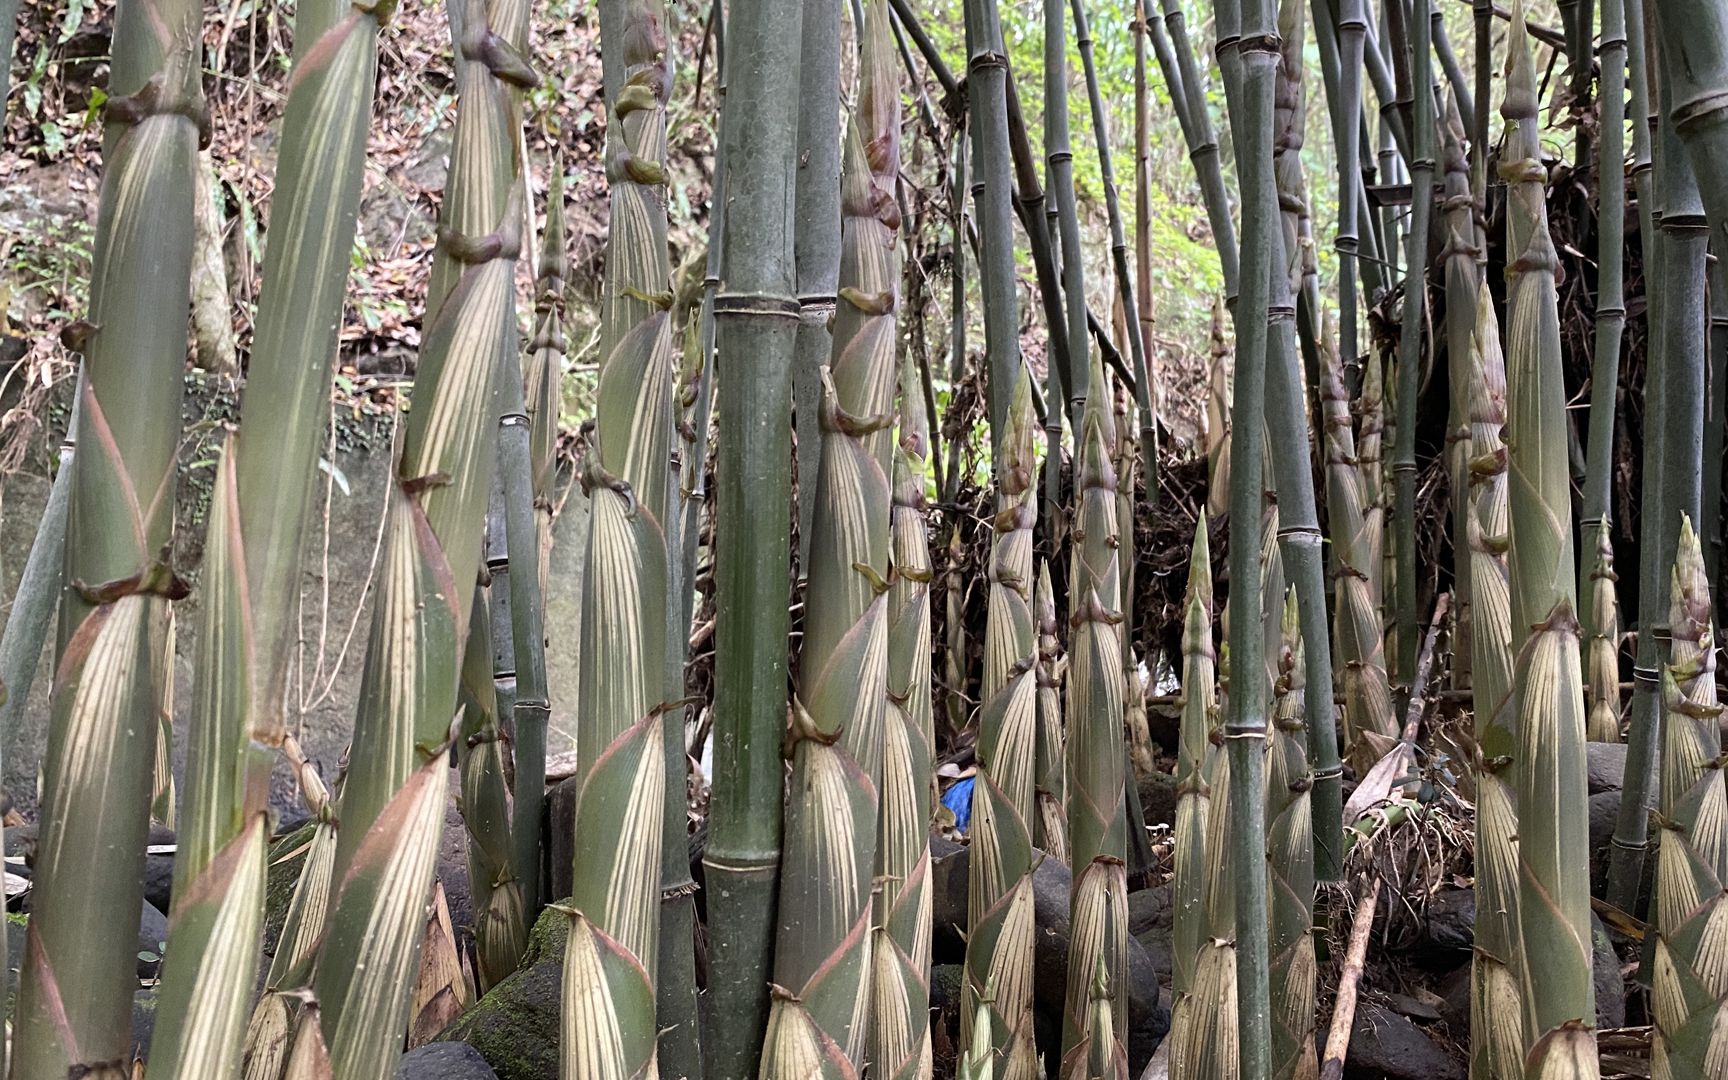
(1459, 257)
(1097, 823)
(1291, 851)
(1448, 57)
(1248, 37)
(815, 245)
(611, 959)
(1692, 856)
(1496, 1022)
(987, 66)
(1553, 878)
(1601, 614)
(1287, 428)
(1050, 785)
(900, 949)
(1203, 147)
(1695, 57)
(1040, 218)
(544, 374)
(1406, 617)
(755, 316)
(818, 1023)
(1344, 95)
(75, 991)
(1631, 829)
(1715, 409)
(1059, 156)
(1144, 406)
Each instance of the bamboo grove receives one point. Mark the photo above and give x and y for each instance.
(1463, 382)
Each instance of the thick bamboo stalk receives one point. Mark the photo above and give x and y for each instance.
(900, 947)
(1287, 426)
(1553, 878)
(1459, 257)
(1688, 986)
(1496, 1021)
(1097, 823)
(815, 245)
(74, 998)
(1695, 57)
(1292, 853)
(755, 316)
(821, 947)
(1200, 719)
(1248, 37)
(1715, 410)
(611, 957)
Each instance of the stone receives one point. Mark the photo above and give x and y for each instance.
(159, 880)
(152, 940)
(1158, 798)
(453, 868)
(444, 1061)
(1605, 974)
(1605, 766)
(1449, 923)
(1387, 1046)
(143, 1021)
(1148, 1018)
(515, 1025)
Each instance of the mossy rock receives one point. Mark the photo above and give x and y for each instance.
(515, 1024)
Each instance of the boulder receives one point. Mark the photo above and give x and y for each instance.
(1148, 1019)
(444, 1061)
(1606, 765)
(1387, 1046)
(1450, 923)
(515, 1025)
(1157, 798)
(143, 1021)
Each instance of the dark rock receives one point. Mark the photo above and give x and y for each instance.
(1416, 1008)
(1606, 764)
(1158, 798)
(1454, 993)
(515, 1024)
(143, 1021)
(560, 818)
(946, 984)
(1148, 1019)
(1150, 913)
(1605, 973)
(1387, 1046)
(159, 880)
(444, 1061)
(1450, 920)
(1451, 923)
(453, 872)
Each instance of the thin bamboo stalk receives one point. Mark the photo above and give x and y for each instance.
(1050, 785)
(75, 989)
(1406, 617)
(1143, 400)
(1601, 619)
(1059, 157)
(1459, 257)
(1203, 148)
(987, 67)
(754, 315)
(1292, 854)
